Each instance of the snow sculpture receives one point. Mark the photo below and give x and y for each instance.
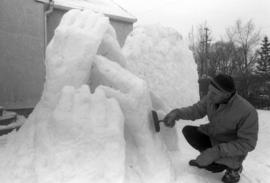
(71, 136)
(159, 56)
(79, 144)
(146, 153)
(75, 136)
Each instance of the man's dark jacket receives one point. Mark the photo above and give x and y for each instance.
(232, 126)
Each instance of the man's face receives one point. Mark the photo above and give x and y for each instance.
(216, 96)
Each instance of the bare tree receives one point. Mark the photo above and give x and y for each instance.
(246, 38)
(200, 44)
(222, 58)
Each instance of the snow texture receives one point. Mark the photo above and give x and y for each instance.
(159, 56)
(74, 135)
(93, 122)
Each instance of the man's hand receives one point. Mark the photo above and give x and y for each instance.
(171, 117)
(208, 156)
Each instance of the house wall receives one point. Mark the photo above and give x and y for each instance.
(22, 68)
(21, 53)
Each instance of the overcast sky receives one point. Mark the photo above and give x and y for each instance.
(183, 14)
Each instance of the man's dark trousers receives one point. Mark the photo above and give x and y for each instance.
(201, 142)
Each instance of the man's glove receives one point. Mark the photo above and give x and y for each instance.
(208, 156)
(171, 117)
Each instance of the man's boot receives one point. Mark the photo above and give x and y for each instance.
(232, 175)
(214, 167)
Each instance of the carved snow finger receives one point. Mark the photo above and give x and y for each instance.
(112, 93)
(66, 98)
(114, 73)
(90, 20)
(82, 18)
(99, 28)
(82, 100)
(69, 17)
(111, 49)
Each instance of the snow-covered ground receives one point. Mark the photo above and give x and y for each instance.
(103, 132)
(256, 166)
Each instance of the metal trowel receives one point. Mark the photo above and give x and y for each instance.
(156, 121)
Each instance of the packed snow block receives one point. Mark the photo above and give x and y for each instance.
(75, 134)
(146, 152)
(71, 135)
(91, 126)
(110, 49)
(84, 141)
(168, 135)
(159, 56)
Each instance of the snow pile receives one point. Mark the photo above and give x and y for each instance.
(80, 135)
(72, 135)
(147, 159)
(104, 133)
(159, 56)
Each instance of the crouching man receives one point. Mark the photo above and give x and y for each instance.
(231, 133)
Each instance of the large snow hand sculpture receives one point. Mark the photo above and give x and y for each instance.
(75, 136)
(110, 47)
(70, 53)
(146, 153)
(85, 139)
(84, 116)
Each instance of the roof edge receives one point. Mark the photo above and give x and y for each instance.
(114, 17)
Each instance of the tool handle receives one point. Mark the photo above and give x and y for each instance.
(161, 120)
